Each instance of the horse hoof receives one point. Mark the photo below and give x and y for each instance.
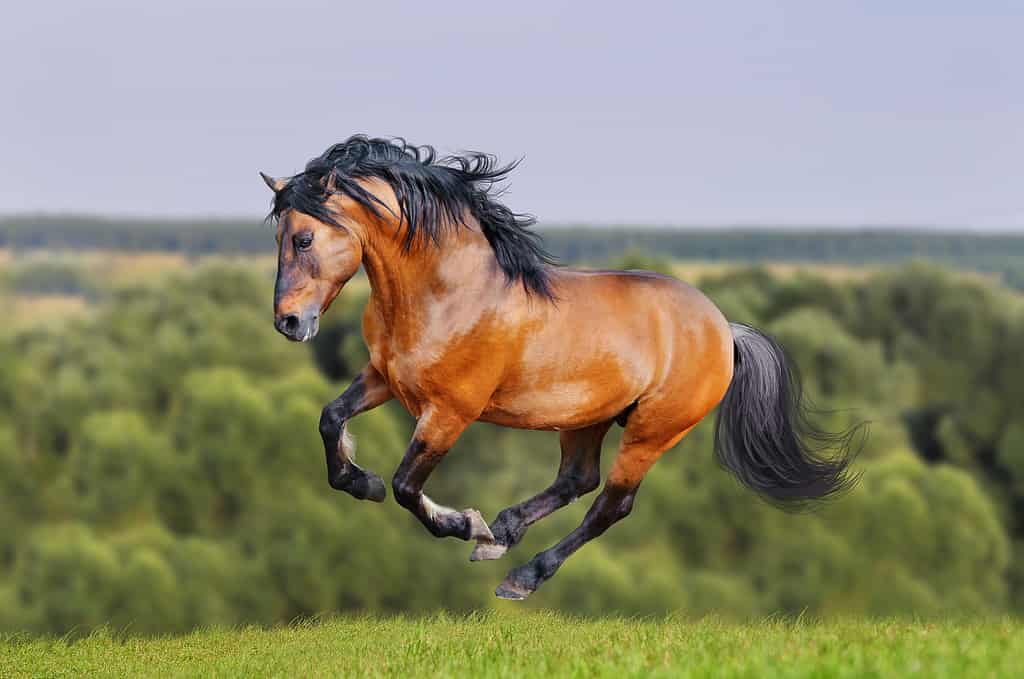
(478, 529)
(488, 551)
(361, 484)
(375, 490)
(511, 591)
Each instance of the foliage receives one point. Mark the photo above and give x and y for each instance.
(160, 470)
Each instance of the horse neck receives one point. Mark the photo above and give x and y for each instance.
(404, 285)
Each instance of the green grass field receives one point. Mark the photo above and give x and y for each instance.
(540, 645)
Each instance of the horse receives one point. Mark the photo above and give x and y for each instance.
(470, 319)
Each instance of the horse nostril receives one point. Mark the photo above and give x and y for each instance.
(288, 324)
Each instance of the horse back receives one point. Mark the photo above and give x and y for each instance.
(611, 339)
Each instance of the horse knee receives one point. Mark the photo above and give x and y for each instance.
(405, 494)
(331, 422)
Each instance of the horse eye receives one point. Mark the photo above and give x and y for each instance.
(303, 241)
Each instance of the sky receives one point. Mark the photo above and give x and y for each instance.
(894, 113)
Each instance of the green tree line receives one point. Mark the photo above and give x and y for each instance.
(160, 469)
(995, 253)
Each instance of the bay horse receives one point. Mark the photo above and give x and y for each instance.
(469, 319)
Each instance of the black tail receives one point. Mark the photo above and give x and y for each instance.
(763, 435)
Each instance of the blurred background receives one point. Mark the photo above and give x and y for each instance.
(846, 176)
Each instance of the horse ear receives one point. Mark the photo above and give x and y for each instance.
(275, 184)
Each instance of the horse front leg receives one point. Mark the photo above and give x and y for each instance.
(367, 391)
(435, 434)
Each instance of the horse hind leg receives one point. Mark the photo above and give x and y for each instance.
(636, 456)
(578, 474)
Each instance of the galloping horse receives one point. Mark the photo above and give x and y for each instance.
(469, 319)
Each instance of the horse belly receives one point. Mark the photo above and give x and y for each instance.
(586, 365)
(568, 408)
(553, 400)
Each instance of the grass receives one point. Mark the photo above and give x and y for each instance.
(539, 645)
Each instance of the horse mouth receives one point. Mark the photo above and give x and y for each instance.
(312, 328)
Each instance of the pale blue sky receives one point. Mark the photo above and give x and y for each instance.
(845, 113)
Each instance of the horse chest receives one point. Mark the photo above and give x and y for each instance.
(439, 364)
(403, 375)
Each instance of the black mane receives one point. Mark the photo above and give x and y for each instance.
(433, 194)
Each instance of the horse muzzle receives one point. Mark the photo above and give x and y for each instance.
(298, 327)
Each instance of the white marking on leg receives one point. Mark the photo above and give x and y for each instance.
(433, 509)
(347, 444)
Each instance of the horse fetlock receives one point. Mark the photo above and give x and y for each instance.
(443, 522)
(509, 528)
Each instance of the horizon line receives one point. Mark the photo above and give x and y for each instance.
(724, 225)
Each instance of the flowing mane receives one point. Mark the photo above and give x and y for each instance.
(433, 194)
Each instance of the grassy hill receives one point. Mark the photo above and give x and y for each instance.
(539, 645)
